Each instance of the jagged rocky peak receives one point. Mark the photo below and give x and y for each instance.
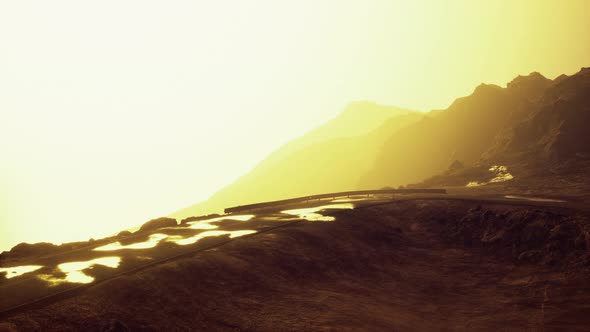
(573, 88)
(560, 78)
(524, 79)
(483, 93)
(531, 86)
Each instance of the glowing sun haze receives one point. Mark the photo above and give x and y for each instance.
(115, 112)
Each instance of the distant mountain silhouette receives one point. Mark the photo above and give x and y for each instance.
(547, 145)
(535, 126)
(556, 128)
(534, 122)
(331, 157)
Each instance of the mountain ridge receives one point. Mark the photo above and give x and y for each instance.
(549, 147)
(489, 126)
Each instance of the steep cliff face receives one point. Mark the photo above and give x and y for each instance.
(546, 142)
(555, 129)
(533, 123)
(463, 132)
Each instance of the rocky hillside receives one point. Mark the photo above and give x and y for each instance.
(414, 265)
(548, 145)
(534, 126)
(462, 132)
(555, 127)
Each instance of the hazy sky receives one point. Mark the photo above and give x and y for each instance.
(113, 112)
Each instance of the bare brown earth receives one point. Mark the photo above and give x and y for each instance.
(416, 265)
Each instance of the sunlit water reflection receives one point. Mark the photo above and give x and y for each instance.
(74, 270)
(312, 215)
(206, 223)
(182, 241)
(153, 241)
(17, 271)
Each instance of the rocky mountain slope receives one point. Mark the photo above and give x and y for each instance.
(548, 145)
(463, 132)
(556, 127)
(535, 126)
(413, 265)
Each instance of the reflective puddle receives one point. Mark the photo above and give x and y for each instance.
(153, 241)
(17, 271)
(183, 241)
(312, 214)
(535, 199)
(206, 223)
(201, 225)
(74, 270)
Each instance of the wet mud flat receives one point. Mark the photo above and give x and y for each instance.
(409, 266)
(32, 275)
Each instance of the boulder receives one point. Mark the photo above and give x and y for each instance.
(158, 223)
(32, 249)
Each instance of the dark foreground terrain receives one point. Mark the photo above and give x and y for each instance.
(415, 265)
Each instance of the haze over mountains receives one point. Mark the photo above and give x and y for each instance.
(532, 119)
(555, 127)
(331, 157)
(533, 122)
(470, 259)
(545, 140)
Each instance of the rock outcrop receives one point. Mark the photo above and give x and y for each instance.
(158, 223)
